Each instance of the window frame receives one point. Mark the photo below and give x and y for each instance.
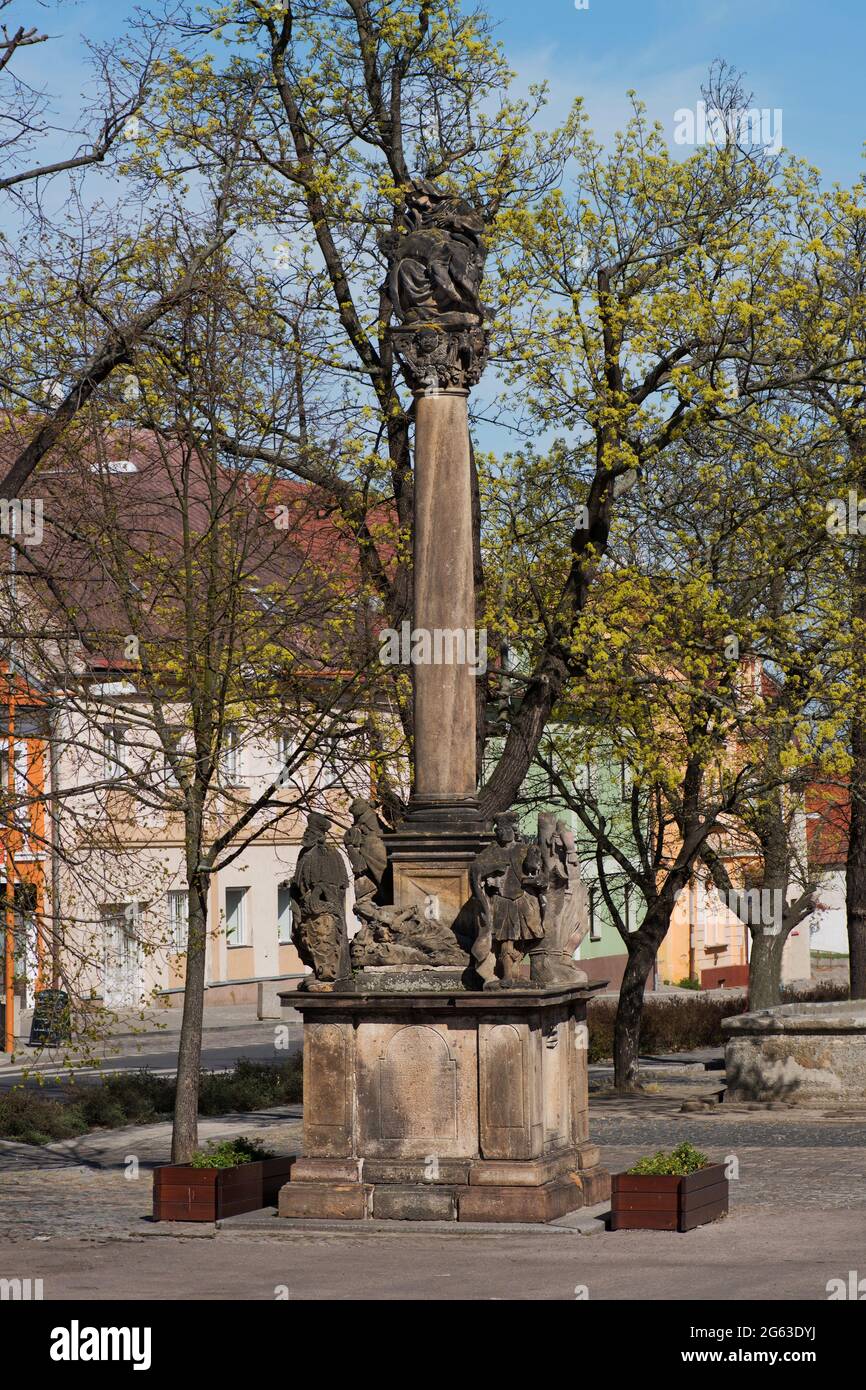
(112, 767)
(173, 896)
(241, 890)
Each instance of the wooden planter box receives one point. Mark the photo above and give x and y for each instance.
(182, 1193)
(275, 1172)
(641, 1202)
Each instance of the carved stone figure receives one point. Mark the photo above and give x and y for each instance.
(366, 849)
(508, 884)
(566, 908)
(318, 897)
(434, 277)
(403, 936)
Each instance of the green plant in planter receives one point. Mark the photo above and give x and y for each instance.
(681, 1161)
(229, 1153)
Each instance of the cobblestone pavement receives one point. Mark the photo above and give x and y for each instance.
(743, 1260)
(99, 1185)
(79, 1189)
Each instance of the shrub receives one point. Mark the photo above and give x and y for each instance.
(681, 1161)
(139, 1097)
(677, 1023)
(32, 1118)
(669, 1024)
(229, 1153)
(251, 1086)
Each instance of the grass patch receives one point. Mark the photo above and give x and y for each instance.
(138, 1098)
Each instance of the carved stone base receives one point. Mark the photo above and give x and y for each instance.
(452, 1105)
(430, 864)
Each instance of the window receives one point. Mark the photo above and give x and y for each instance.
(594, 933)
(285, 746)
(236, 927)
(121, 982)
(177, 735)
(112, 752)
(284, 916)
(627, 908)
(285, 754)
(625, 780)
(178, 919)
(231, 754)
(583, 778)
(21, 792)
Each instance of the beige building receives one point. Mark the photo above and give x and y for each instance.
(121, 888)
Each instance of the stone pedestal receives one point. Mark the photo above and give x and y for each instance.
(444, 1105)
(802, 1054)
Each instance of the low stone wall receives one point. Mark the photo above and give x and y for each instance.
(805, 1054)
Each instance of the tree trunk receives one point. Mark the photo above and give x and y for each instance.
(855, 864)
(765, 969)
(626, 1037)
(184, 1135)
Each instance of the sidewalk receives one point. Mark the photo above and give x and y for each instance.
(77, 1215)
(130, 1025)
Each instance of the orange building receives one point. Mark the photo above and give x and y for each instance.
(24, 844)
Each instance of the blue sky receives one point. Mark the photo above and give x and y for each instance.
(800, 56)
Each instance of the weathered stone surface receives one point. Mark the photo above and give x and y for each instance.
(558, 1076)
(417, 1089)
(414, 1171)
(409, 979)
(339, 1170)
(366, 850)
(588, 1156)
(328, 1088)
(509, 1066)
(444, 693)
(579, 1071)
(545, 1203)
(444, 888)
(329, 1201)
(415, 1203)
(435, 266)
(595, 1184)
(803, 1054)
(534, 1173)
(451, 1091)
(566, 907)
(410, 935)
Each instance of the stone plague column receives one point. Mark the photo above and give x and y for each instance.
(426, 1096)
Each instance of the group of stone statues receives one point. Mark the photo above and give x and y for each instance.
(528, 901)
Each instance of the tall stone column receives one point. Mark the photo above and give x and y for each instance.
(444, 691)
(435, 270)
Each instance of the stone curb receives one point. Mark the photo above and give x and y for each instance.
(266, 1225)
